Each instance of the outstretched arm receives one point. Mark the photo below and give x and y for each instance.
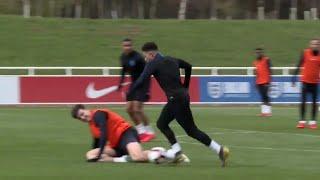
(145, 75)
(100, 119)
(123, 71)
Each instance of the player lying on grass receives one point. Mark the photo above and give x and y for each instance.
(123, 141)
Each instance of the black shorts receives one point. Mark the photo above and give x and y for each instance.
(141, 94)
(309, 88)
(129, 136)
(263, 90)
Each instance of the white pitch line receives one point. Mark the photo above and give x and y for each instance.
(254, 147)
(268, 132)
(245, 132)
(239, 131)
(263, 148)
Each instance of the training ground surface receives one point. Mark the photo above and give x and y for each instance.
(69, 42)
(45, 143)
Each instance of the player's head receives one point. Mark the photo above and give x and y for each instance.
(259, 53)
(315, 44)
(127, 45)
(150, 50)
(80, 112)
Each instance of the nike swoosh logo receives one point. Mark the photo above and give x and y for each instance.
(93, 93)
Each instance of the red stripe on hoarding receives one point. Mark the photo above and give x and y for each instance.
(73, 89)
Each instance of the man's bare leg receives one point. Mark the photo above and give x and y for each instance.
(135, 118)
(148, 133)
(136, 152)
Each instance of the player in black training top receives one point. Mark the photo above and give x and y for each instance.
(133, 63)
(166, 70)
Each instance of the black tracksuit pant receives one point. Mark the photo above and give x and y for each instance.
(312, 89)
(263, 91)
(178, 107)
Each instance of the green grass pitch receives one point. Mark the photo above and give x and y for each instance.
(45, 143)
(69, 42)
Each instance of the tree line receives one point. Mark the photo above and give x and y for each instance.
(151, 9)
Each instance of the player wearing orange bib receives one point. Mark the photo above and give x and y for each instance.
(310, 69)
(263, 79)
(108, 126)
(95, 133)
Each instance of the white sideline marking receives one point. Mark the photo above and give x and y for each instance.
(263, 148)
(251, 147)
(268, 132)
(240, 131)
(255, 147)
(247, 132)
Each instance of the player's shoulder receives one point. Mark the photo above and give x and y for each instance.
(267, 58)
(137, 54)
(170, 58)
(307, 50)
(122, 56)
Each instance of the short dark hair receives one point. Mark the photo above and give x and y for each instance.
(149, 46)
(127, 40)
(259, 49)
(75, 109)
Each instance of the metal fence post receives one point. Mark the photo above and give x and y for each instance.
(250, 71)
(106, 71)
(214, 71)
(31, 71)
(68, 71)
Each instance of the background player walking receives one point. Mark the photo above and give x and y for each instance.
(133, 63)
(263, 78)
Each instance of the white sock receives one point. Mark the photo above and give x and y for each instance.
(176, 147)
(312, 122)
(149, 129)
(215, 146)
(264, 109)
(268, 109)
(172, 152)
(140, 128)
(303, 122)
(121, 159)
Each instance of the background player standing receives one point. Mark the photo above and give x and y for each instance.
(133, 63)
(310, 68)
(263, 78)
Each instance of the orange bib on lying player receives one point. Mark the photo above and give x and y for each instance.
(262, 71)
(116, 126)
(95, 132)
(310, 67)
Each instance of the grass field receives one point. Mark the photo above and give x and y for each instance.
(68, 42)
(45, 143)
